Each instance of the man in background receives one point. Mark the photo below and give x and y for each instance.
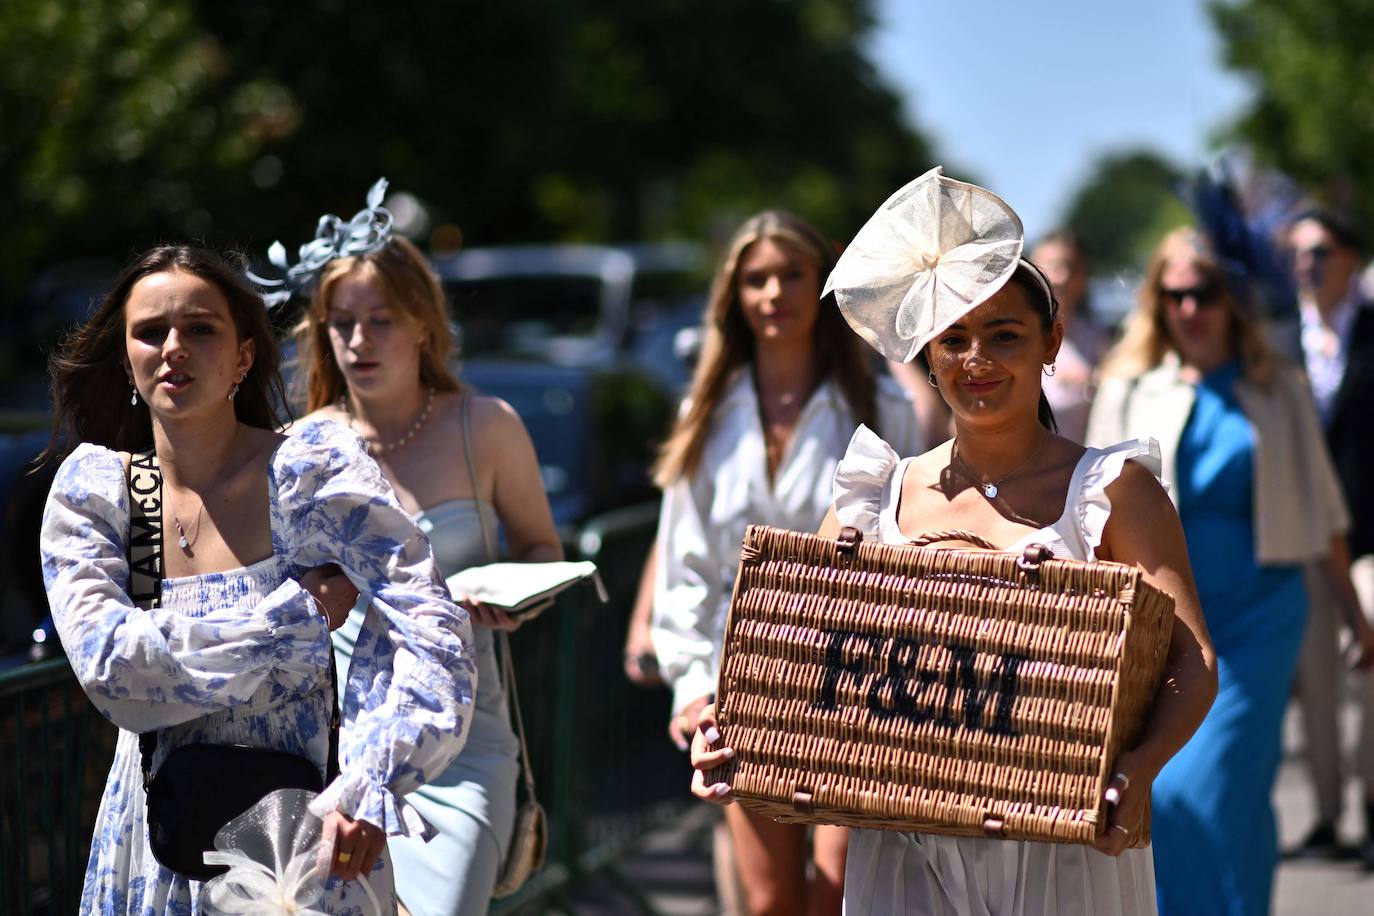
(1338, 350)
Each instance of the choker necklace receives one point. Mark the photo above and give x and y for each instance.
(183, 542)
(381, 448)
(991, 489)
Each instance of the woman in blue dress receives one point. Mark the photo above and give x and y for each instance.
(179, 357)
(1243, 449)
(376, 345)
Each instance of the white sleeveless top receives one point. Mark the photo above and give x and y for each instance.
(868, 487)
(891, 873)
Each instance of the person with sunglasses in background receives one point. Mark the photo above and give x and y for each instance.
(1338, 349)
(1242, 448)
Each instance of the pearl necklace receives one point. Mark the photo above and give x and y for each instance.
(991, 489)
(381, 448)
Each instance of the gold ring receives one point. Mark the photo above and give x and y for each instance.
(1122, 829)
(344, 857)
(1125, 780)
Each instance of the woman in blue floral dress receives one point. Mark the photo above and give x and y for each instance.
(239, 650)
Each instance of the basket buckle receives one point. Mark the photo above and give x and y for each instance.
(848, 540)
(1029, 562)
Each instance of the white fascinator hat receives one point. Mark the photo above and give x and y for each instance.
(934, 251)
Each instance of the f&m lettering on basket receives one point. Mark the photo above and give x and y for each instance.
(964, 692)
(903, 688)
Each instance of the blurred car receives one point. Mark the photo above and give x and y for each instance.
(595, 430)
(571, 304)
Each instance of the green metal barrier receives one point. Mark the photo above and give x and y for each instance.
(605, 769)
(56, 750)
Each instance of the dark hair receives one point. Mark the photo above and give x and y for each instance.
(1024, 277)
(1337, 225)
(90, 391)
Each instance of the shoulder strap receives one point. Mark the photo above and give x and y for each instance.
(145, 558)
(507, 661)
(145, 530)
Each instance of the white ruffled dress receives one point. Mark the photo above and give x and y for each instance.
(890, 872)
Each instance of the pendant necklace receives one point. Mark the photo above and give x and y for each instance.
(184, 543)
(991, 489)
(381, 448)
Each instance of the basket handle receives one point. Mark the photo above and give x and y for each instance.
(952, 534)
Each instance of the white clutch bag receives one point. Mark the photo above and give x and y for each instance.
(522, 588)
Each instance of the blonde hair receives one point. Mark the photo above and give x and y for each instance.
(1146, 339)
(837, 351)
(409, 286)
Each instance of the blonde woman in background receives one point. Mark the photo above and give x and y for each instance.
(376, 345)
(1243, 450)
(780, 387)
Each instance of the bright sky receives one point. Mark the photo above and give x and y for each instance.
(1026, 96)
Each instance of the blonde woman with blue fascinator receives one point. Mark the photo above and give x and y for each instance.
(376, 346)
(1259, 498)
(780, 386)
(938, 269)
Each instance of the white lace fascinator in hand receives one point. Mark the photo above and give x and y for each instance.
(278, 862)
(936, 250)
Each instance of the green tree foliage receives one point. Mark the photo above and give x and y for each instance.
(128, 121)
(1124, 207)
(1312, 64)
(114, 116)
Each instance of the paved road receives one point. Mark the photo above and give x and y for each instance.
(673, 867)
(1316, 888)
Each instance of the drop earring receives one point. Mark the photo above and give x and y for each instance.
(1050, 370)
(133, 394)
(235, 390)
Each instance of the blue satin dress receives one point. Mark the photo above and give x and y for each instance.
(1214, 832)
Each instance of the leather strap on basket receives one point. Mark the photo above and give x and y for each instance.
(848, 540)
(1030, 560)
(507, 660)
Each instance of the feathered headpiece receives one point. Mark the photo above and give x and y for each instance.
(1243, 210)
(367, 232)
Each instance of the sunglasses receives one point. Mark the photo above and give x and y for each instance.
(1204, 296)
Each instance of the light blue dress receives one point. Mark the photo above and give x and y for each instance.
(243, 656)
(471, 804)
(1214, 834)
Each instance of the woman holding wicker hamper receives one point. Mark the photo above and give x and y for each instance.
(938, 269)
(779, 387)
(1243, 448)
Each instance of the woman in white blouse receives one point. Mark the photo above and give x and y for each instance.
(780, 387)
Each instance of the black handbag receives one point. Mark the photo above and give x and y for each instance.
(200, 787)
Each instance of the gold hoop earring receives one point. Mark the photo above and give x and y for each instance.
(930, 380)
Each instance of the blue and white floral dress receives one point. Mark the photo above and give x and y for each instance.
(243, 656)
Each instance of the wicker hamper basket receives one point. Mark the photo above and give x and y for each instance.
(963, 692)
